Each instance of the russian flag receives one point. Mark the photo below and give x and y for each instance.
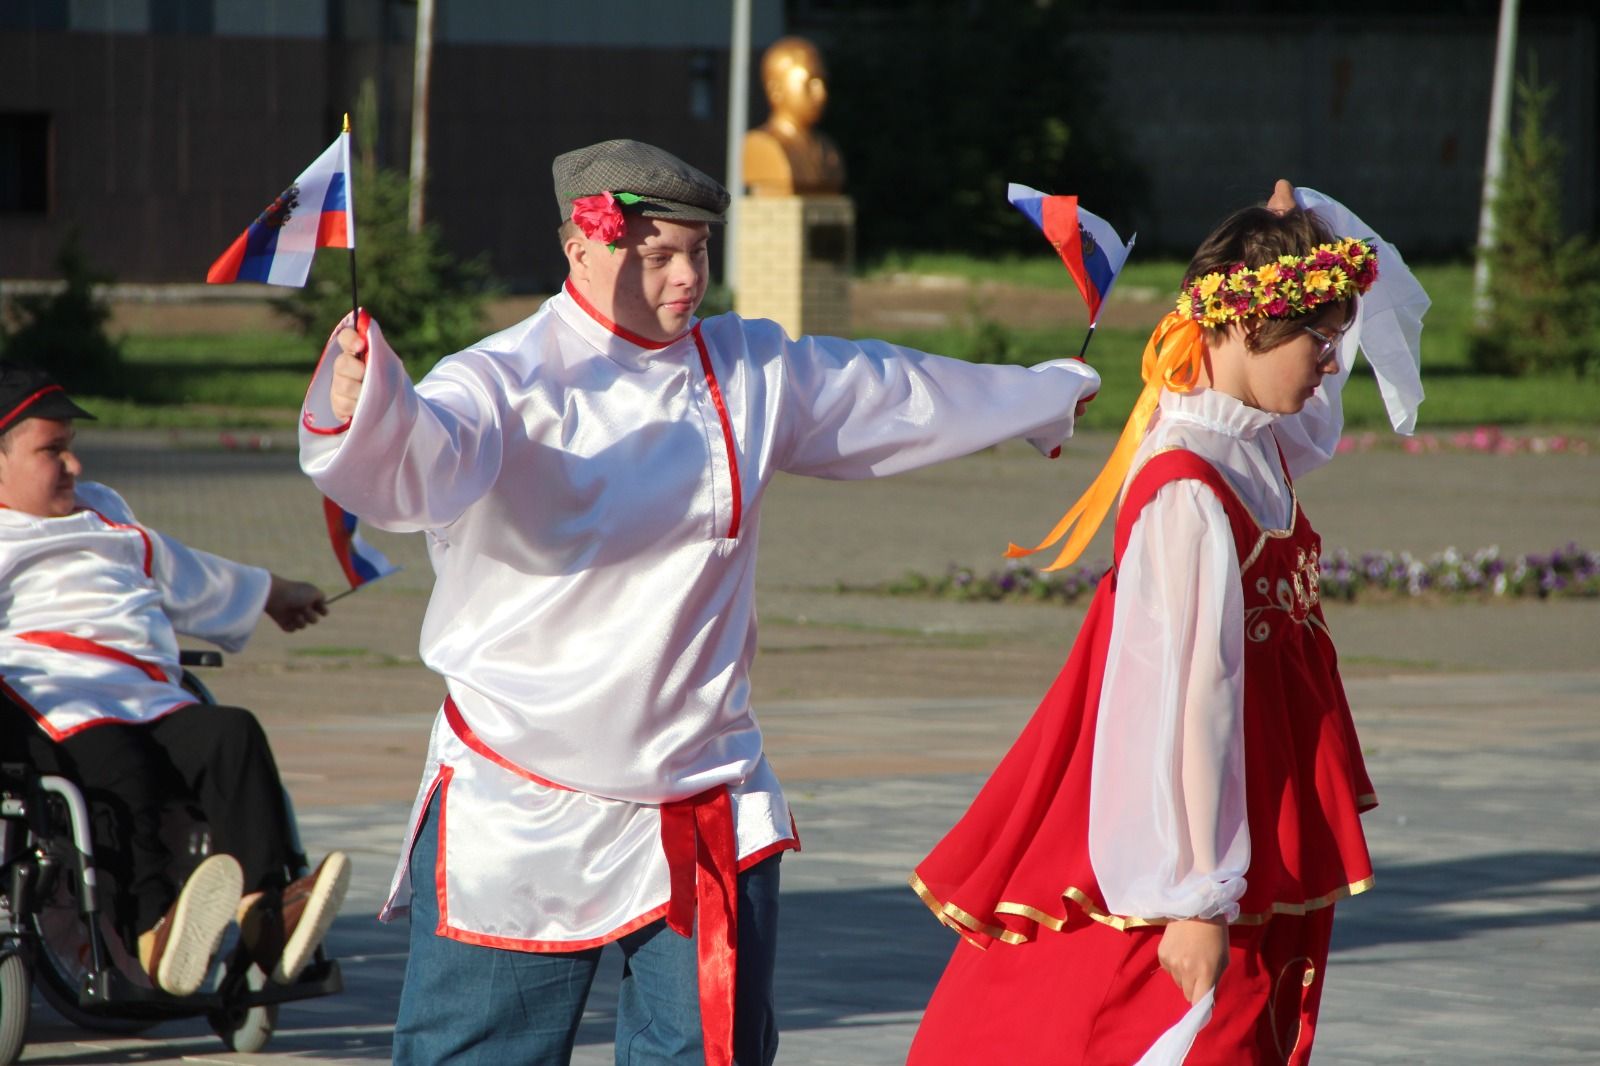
(360, 561)
(317, 211)
(1087, 244)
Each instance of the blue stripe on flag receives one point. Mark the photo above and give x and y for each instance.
(1097, 266)
(1033, 207)
(335, 200)
(259, 248)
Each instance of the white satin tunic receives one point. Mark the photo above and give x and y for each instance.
(592, 503)
(92, 606)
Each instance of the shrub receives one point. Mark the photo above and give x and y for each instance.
(64, 332)
(1544, 290)
(429, 302)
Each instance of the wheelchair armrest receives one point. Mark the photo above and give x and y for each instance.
(196, 657)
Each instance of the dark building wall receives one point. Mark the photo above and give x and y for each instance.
(172, 123)
(508, 111)
(1388, 114)
(162, 148)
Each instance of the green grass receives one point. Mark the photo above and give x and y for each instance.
(240, 380)
(1033, 271)
(257, 379)
(1456, 395)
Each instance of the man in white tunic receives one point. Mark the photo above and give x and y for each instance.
(590, 483)
(91, 603)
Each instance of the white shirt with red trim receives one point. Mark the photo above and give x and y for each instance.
(591, 502)
(91, 605)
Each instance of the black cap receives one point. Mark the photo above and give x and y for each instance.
(671, 188)
(27, 392)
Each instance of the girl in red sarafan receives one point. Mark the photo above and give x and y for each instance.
(1150, 873)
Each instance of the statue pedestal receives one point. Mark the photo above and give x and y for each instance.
(795, 255)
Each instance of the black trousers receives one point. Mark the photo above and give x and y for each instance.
(217, 758)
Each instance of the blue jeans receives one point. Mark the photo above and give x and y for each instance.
(465, 1004)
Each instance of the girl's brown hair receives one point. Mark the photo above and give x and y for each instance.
(1255, 236)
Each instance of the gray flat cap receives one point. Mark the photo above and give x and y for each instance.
(671, 188)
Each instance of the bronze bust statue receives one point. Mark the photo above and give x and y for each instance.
(785, 156)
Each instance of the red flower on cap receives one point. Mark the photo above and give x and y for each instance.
(599, 217)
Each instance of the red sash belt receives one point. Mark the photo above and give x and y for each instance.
(51, 638)
(702, 852)
(703, 863)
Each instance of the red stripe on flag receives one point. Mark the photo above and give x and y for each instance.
(226, 268)
(332, 230)
(1061, 230)
(339, 536)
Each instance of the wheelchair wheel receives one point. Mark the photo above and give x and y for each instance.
(13, 1007)
(60, 962)
(246, 1029)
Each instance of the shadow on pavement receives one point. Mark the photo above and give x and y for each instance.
(859, 957)
(1457, 899)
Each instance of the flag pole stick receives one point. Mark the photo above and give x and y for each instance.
(1087, 337)
(355, 302)
(336, 598)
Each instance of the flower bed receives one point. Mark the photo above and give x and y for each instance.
(1488, 440)
(1570, 571)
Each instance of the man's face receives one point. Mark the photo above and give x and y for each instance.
(38, 472)
(653, 283)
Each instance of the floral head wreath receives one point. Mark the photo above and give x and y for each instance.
(1176, 350)
(599, 217)
(1287, 288)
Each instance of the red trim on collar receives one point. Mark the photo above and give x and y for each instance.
(11, 416)
(626, 334)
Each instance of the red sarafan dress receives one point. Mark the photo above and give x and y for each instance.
(1046, 972)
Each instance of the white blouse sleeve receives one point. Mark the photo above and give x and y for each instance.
(412, 457)
(1168, 830)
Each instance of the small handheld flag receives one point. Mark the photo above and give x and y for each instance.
(1087, 244)
(360, 561)
(317, 211)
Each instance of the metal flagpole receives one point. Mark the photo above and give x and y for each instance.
(350, 194)
(1505, 62)
(422, 66)
(738, 119)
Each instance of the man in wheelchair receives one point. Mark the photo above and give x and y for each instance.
(91, 603)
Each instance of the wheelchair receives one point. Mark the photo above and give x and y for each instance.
(55, 932)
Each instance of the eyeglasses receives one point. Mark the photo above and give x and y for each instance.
(1325, 344)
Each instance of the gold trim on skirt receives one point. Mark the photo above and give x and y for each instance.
(963, 923)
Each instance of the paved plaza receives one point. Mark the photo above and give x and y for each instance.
(1479, 946)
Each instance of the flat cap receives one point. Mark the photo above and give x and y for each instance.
(671, 188)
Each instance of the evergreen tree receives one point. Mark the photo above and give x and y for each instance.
(1544, 289)
(429, 303)
(64, 332)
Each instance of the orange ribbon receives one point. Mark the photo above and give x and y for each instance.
(1173, 359)
(703, 869)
